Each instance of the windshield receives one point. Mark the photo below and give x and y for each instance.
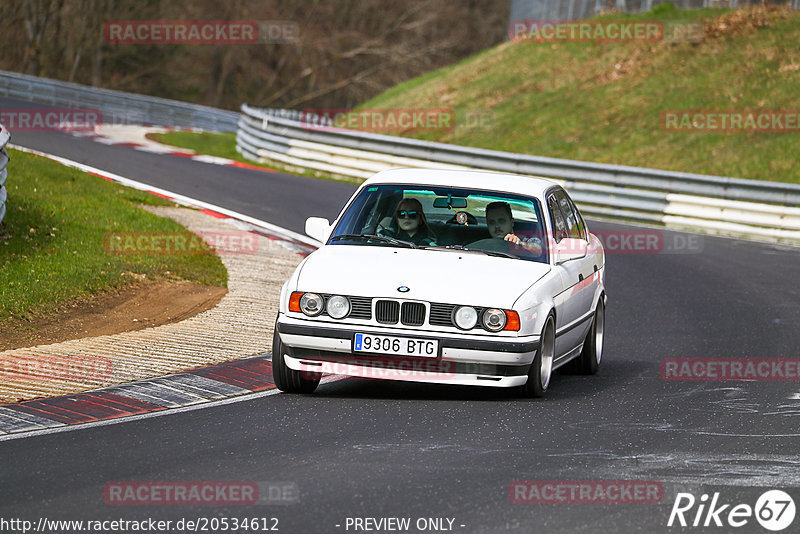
(442, 218)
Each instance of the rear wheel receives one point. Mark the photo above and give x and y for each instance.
(589, 360)
(542, 367)
(287, 379)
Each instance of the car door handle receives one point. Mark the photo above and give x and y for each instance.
(580, 277)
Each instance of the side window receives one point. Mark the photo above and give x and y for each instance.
(559, 225)
(573, 228)
(579, 218)
(581, 224)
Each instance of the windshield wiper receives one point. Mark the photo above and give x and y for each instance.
(478, 250)
(381, 238)
(497, 253)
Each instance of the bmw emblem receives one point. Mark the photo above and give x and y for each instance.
(403, 289)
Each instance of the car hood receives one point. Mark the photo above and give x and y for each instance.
(453, 277)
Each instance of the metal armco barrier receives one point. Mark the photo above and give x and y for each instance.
(118, 107)
(5, 136)
(711, 204)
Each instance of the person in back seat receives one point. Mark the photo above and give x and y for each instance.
(409, 224)
(500, 223)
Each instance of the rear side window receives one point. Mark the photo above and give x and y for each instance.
(559, 224)
(575, 226)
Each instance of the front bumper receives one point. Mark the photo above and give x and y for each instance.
(461, 359)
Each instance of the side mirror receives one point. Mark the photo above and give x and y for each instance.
(570, 249)
(318, 228)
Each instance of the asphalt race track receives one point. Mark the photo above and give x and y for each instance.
(367, 449)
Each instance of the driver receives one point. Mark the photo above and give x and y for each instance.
(501, 226)
(409, 224)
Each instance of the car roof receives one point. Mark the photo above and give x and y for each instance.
(467, 179)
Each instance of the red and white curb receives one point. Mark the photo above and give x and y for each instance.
(147, 396)
(218, 385)
(135, 137)
(211, 386)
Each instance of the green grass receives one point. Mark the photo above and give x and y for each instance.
(222, 145)
(603, 101)
(52, 241)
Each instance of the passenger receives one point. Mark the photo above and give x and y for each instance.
(409, 224)
(501, 226)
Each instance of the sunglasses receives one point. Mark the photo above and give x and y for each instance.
(406, 214)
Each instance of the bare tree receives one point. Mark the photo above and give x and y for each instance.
(348, 50)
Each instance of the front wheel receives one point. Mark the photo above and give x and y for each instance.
(542, 366)
(287, 379)
(589, 361)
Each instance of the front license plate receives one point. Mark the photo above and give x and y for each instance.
(397, 346)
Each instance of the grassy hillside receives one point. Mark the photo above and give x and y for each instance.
(603, 101)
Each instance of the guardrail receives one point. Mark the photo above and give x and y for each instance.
(5, 136)
(712, 204)
(118, 107)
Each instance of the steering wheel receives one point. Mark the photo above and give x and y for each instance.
(471, 219)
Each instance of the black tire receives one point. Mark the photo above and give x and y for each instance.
(286, 379)
(589, 361)
(541, 369)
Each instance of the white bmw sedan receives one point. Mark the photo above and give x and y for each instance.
(440, 276)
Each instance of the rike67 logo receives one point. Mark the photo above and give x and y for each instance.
(774, 510)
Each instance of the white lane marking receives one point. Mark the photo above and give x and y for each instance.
(160, 413)
(215, 160)
(180, 199)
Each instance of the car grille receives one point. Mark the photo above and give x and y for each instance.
(392, 311)
(361, 308)
(442, 314)
(412, 313)
(387, 311)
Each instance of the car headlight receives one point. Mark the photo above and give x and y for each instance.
(338, 307)
(465, 317)
(494, 319)
(311, 304)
